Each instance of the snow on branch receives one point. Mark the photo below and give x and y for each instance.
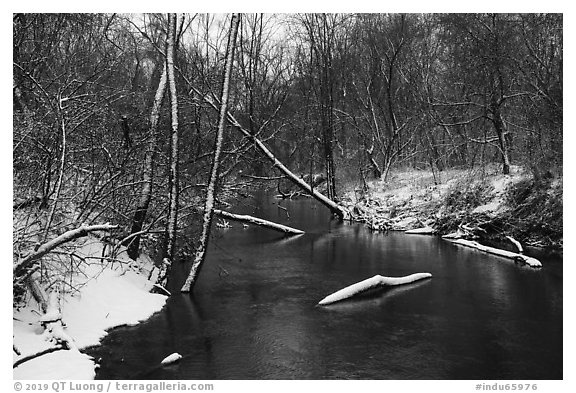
(52, 244)
(370, 283)
(259, 222)
(532, 262)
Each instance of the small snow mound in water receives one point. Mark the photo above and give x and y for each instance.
(171, 358)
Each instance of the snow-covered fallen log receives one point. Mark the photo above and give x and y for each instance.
(173, 358)
(459, 234)
(258, 221)
(533, 262)
(370, 283)
(421, 231)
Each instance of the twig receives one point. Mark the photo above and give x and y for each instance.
(36, 355)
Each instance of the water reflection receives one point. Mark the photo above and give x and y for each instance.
(478, 317)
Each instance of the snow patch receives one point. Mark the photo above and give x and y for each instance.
(108, 296)
(173, 358)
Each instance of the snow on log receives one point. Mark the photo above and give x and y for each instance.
(52, 244)
(516, 243)
(421, 231)
(162, 278)
(51, 320)
(373, 282)
(259, 222)
(173, 358)
(459, 234)
(533, 262)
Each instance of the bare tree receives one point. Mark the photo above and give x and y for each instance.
(149, 164)
(171, 226)
(211, 190)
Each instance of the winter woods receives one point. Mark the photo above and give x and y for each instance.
(151, 121)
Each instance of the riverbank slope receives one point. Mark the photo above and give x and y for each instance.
(482, 202)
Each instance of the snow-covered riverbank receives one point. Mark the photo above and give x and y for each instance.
(516, 204)
(104, 296)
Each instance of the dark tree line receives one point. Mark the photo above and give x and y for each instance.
(115, 116)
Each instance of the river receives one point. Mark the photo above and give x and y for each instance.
(253, 313)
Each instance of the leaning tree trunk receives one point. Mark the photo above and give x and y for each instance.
(211, 191)
(173, 178)
(334, 207)
(148, 175)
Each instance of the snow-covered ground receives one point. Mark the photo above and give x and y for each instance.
(409, 196)
(108, 296)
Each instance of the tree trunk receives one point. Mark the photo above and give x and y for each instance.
(376, 171)
(51, 320)
(211, 191)
(173, 178)
(501, 132)
(148, 175)
(327, 140)
(532, 262)
(335, 208)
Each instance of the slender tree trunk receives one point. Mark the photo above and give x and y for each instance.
(173, 178)
(211, 191)
(148, 175)
(500, 129)
(376, 171)
(327, 139)
(62, 124)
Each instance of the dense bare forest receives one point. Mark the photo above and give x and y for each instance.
(115, 118)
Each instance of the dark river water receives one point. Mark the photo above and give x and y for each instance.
(253, 313)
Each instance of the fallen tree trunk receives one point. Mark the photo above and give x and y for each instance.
(162, 279)
(52, 244)
(421, 231)
(370, 283)
(258, 221)
(173, 358)
(532, 262)
(51, 320)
